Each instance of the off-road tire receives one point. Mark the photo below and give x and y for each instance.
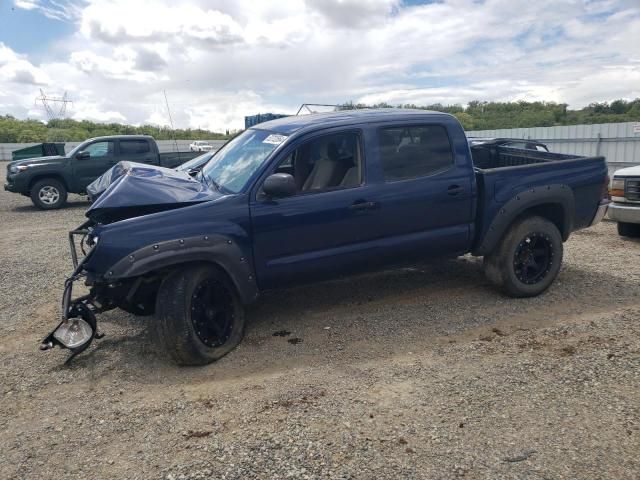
(48, 194)
(631, 230)
(175, 329)
(502, 265)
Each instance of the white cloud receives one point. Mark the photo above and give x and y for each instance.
(220, 60)
(63, 10)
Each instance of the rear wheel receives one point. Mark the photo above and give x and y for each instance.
(200, 317)
(528, 258)
(628, 229)
(48, 194)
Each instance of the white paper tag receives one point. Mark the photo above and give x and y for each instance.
(275, 139)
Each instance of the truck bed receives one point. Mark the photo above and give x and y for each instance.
(488, 157)
(503, 173)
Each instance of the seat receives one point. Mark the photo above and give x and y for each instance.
(326, 169)
(351, 178)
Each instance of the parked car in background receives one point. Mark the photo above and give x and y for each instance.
(625, 194)
(306, 198)
(200, 146)
(48, 180)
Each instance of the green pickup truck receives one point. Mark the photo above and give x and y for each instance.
(48, 180)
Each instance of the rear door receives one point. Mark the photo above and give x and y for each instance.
(137, 150)
(101, 157)
(426, 192)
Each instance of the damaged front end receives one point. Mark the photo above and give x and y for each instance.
(144, 220)
(78, 326)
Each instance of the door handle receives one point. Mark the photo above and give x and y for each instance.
(454, 189)
(363, 205)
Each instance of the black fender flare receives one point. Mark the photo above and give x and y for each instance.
(220, 250)
(557, 194)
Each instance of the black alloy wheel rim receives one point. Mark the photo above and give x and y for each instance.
(212, 312)
(533, 258)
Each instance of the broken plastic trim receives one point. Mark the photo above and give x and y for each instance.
(81, 230)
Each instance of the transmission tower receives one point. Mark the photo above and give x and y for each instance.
(56, 107)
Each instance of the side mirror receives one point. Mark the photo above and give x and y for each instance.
(83, 155)
(279, 185)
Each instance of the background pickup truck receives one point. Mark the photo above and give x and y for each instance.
(301, 199)
(47, 180)
(625, 194)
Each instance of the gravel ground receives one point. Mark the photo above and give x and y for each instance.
(425, 372)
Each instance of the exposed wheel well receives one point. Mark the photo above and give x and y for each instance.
(554, 212)
(154, 278)
(45, 176)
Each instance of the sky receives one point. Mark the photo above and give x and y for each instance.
(219, 60)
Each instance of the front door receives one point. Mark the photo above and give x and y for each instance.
(319, 232)
(101, 158)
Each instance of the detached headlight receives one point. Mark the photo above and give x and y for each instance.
(74, 333)
(617, 187)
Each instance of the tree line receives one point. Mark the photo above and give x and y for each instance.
(479, 115)
(13, 130)
(476, 115)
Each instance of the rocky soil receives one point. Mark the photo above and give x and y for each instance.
(424, 372)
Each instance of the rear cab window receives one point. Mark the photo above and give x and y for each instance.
(408, 152)
(134, 147)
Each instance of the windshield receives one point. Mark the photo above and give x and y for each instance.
(238, 160)
(195, 162)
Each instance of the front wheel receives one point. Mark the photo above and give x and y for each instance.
(199, 315)
(527, 259)
(631, 230)
(48, 194)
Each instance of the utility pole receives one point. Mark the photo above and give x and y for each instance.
(56, 107)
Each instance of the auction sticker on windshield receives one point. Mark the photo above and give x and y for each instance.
(275, 139)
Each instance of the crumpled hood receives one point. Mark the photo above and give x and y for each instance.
(131, 189)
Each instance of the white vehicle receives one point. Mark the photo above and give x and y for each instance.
(200, 146)
(625, 194)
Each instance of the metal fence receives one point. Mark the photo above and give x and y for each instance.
(164, 145)
(619, 143)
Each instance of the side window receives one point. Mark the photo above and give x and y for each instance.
(134, 147)
(100, 149)
(324, 163)
(412, 152)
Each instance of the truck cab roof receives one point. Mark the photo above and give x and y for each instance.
(125, 137)
(295, 123)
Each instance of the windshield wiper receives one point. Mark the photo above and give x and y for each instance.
(209, 181)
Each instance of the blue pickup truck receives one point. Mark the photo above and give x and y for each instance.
(306, 198)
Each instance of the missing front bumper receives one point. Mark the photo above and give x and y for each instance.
(78, 326)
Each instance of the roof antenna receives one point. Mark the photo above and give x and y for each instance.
(171, 122)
